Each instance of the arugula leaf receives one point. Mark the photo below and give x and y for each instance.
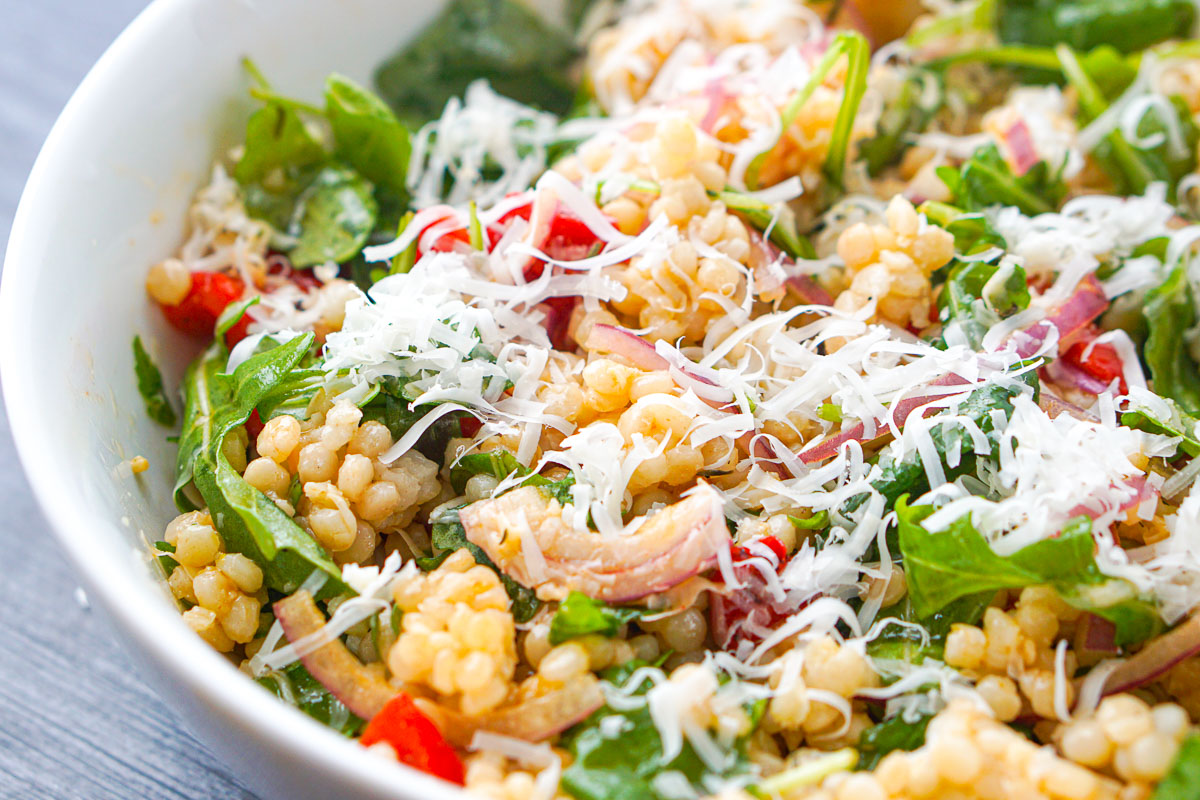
(972, 232)
(617, 754)
(248, 521)
(954, 445)
(580, 615)
(516, 50)
(899, 120)
(893, 734)
(1178, 423)
(1099, 79)
(978, 294)
(448, 535)
(150, 386)
(958, 562)
(986, 179)
(336, 214)
(854, 46)
(295, 685)
(1170, 310)
(1182, 782)
(1128, 25)
(366, 134)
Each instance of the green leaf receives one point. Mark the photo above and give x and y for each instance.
(516, 50)
(855, 47)
(498, 463)
(1182, 782)
(276, 138)
(449, 535)
(616, 755)
(778, 219)
(954, 445)
(858, 57)
(1170, 310)
(248, 521)
(958, 562)
(580, 615)
(366, 134)
(978, 294)
(1177, 423)
(893, 734)
(150, 386)
(294, 684)
(1128, 25)
(986, 179)
(900, 119)
(335, 216)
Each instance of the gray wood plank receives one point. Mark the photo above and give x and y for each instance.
(76, 720)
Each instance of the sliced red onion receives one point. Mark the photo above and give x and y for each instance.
(827, 448)
(1156, 658)
(1054, 405)
(1098, 637)
(532, 721)
(1019, 146)
(670, 546)
(362, 691)
(1074, 315)
(1143, 491)
(1067, 374)
(628, 345)
(808, 291)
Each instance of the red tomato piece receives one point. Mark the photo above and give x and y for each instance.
(414, 737)
(210, 293)
(254, 425)
(1103, 362)
(739, 615)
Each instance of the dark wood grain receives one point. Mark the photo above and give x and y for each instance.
(76, 720)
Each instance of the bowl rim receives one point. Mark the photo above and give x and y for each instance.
(156, 629)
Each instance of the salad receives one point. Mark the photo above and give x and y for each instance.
(712, 398)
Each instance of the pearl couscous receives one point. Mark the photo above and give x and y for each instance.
(806, 409)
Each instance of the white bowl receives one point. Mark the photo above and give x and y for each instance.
(108, 197)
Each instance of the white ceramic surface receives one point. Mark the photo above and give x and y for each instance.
(106, 198)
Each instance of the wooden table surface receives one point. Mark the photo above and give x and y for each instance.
(76, 721)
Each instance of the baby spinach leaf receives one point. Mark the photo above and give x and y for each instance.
(893, 734)
(366, 134)
(986, 179)
(498, 463)
(617, 755)
(1170, 310)
(1127, 25)
(336, 214)
(449, 535)
(580, 615)
(276, 138)
(150, 386)
(294, 684)
(248, 521)
(1182, 782)
(519, 53)
(958, 562)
